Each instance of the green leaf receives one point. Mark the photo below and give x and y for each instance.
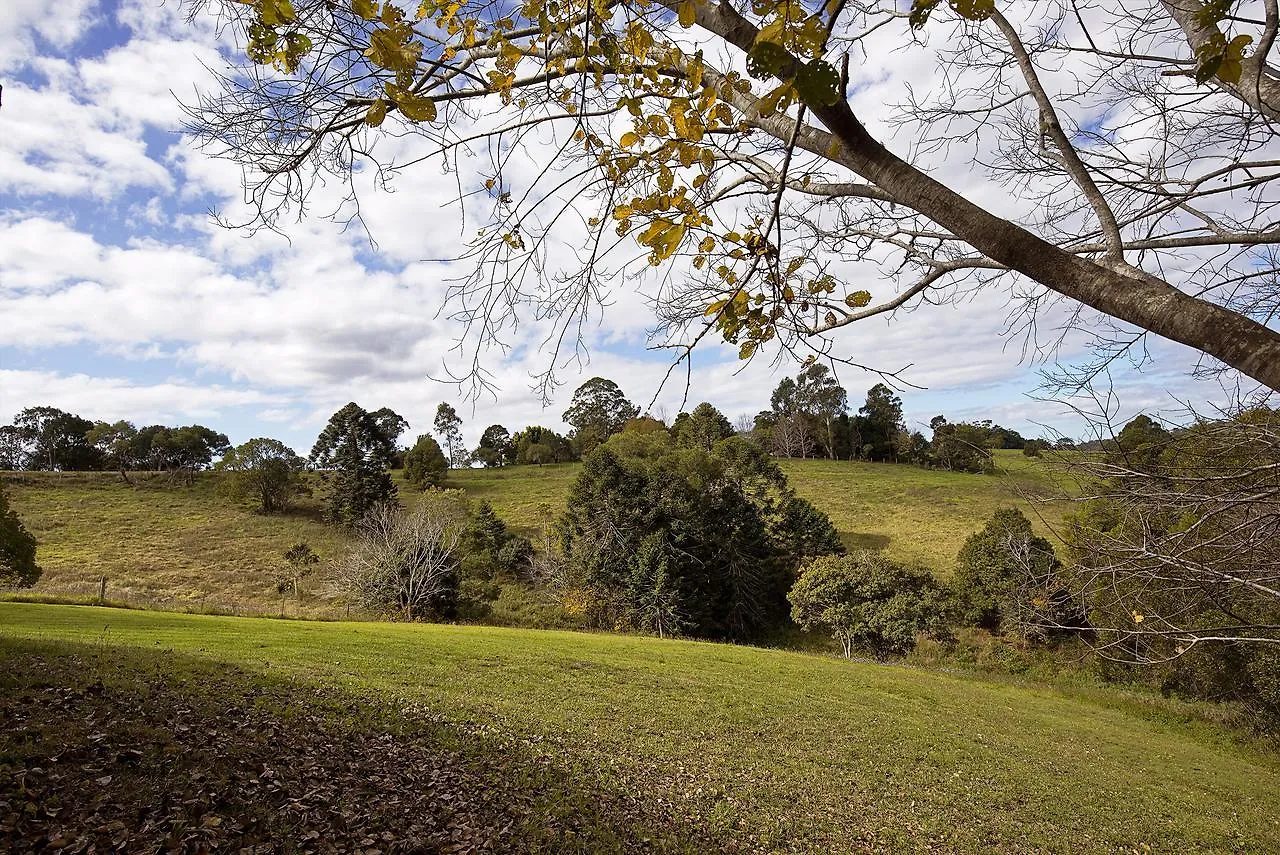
(818, 84)
(767, 59)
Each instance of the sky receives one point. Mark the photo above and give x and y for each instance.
(122, 297)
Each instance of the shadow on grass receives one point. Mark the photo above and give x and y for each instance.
(858, 540)
(134, 750)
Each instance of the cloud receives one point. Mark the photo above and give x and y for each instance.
(112, 398)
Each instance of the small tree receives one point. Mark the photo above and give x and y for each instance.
(425, 464)
(495, 446)
(266, 469)
(301, 561)
(407, 560)
(18, 566)
(449, 425)
(1001, 573)
(867, 601)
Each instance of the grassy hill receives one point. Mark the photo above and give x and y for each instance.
(643, 744)
(190, 545)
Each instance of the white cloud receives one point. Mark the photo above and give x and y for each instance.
(24, 23)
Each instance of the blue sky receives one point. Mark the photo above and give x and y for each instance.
(122, 299)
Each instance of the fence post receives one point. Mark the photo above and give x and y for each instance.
(102, 591)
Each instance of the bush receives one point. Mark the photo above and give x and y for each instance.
(18, 566)
(866, 601)
(1002, 572)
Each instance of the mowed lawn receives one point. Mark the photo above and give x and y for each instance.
(766, 750)
(194, 546)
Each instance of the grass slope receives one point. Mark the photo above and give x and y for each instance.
(767, 750)
(192, 545)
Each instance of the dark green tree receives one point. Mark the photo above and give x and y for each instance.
(1005, 575)
(356, 448)
(879, 421)
(541, 445)
(598, 411)
(961, 447)
(55, 440)
(867, 602)
(266, 469)
(703, 428)
(1140, 444)
(18, 566)
(495, 448)
(449, 426)
(425, 464)
(681, 536)
(824, 400)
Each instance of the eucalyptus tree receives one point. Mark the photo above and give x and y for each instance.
(1128, 151)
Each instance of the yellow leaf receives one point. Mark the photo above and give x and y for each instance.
(714, 307)
(858, 299)
(663, 237)
(708, 244)
(622, 212)
(368, 9)
(686, 13)
(628, 139)
(1138, 617)
(377, 112)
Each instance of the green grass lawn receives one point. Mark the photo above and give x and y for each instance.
(193, 546)
(764, 750)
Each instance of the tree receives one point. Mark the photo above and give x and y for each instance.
(541, 445)
(425, 464)
(879, 421)
(118, 444)
(682, 539)
(18, 566)
(1140, 443)
(812, 185)
(823, 398)
(54, 440)
(495, 447)
(598, 411)
(961, 447)
(357, 447)
(1002, 570)
(704, 427)
(266, 469)
(866, 601)
(449, 426)
(300, 562)
(407, 560)
(1180, 550)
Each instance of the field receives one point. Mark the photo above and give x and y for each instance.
(722, 748)
(192, 546)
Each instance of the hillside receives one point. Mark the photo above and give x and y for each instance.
(193, 546)
(743, 749)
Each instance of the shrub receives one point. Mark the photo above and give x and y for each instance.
(866, 601)
(1005, 576)
(18, 566)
